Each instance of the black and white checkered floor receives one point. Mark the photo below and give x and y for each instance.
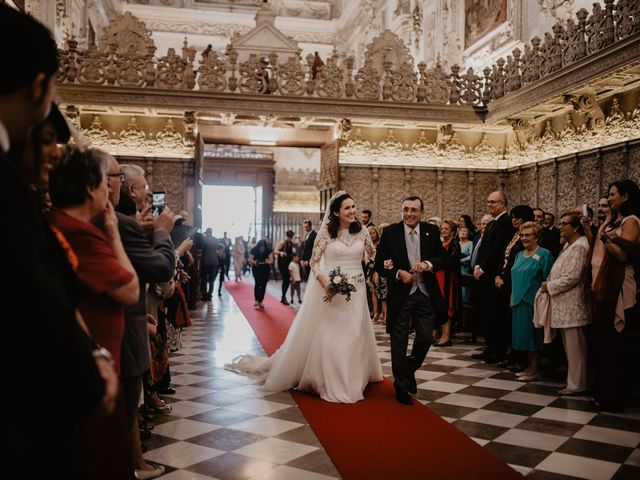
(223, 427)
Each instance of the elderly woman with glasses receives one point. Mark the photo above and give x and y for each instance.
(568, 293)
(531, 267)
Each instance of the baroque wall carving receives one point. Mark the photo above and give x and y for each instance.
(588, 179)
(329, 173)
(546, 187)
(424, 184)
(358, 182)
(566, 198)
(579, 181)
(455, 193)
(485, 183)
(169, 176)
(613, 167)
(389, 194)
(140, 140)
(634, 164)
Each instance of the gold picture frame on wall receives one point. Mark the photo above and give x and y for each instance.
(482, 17)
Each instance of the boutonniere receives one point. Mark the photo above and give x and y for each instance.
(426, 234)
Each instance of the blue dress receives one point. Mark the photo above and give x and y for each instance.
(465, 268)
(527, 274)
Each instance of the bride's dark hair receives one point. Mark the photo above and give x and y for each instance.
(334, 221)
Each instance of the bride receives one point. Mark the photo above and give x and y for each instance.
(330, 348)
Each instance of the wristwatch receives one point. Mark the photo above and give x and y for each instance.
(103, 353)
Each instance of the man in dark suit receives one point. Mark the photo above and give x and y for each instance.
(365, 218)
(409, 253)
(153, 258)
(551, 236)
(307, 248)
(60, 357)
(494, 304)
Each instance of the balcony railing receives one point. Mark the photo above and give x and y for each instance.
(128, 59)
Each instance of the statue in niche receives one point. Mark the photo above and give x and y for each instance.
(481, 17)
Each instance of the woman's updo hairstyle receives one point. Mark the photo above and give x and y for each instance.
(334, 221)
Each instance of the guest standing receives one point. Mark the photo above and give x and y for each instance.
(569, 300)
(614, 293)
(530, 269)
(260, 258)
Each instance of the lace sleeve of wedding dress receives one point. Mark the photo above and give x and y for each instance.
(318, 250)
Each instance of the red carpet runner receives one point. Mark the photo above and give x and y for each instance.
(377, 438)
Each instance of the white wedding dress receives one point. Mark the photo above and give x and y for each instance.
(330, 348)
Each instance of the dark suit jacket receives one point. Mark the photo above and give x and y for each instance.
(491, 251)
(307, 247)
(551, 241)
(394, 246)
(55, 356)
(154, 261)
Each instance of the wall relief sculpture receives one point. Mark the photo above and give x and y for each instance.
(135, 140)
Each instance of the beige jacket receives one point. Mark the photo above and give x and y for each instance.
(566, 285)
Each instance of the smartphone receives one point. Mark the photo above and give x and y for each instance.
(158, 202)
(585, 212)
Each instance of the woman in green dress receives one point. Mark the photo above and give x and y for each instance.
(531, 267)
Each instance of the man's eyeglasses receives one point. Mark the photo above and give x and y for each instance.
(117, 175)
(494, 201)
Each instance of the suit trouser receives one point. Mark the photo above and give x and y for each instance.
(209, 273)
(418, 308)
(496, 316)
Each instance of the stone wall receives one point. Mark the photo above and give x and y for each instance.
(564, 183)
(554, 186)
(446, 194)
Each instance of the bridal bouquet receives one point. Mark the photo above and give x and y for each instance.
(342, 284)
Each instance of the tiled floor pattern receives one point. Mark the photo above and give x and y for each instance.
(223, 427)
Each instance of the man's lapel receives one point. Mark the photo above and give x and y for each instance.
(424, 239)
(402, 243)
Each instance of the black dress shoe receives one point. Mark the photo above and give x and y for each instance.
(167, 391)
(493, 359)
(284, 301)
(403, 397)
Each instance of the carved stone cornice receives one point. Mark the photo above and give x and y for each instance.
(618, 57)
(201, 101)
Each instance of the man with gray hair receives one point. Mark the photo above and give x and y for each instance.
(153, 258)
(494, 304)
